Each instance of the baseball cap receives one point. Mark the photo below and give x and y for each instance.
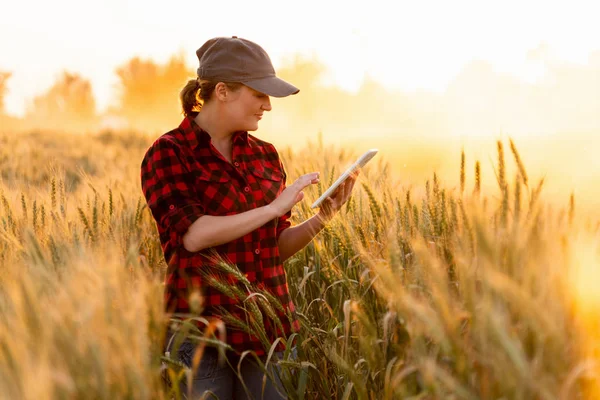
(233, 59)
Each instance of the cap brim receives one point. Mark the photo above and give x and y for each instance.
(272, 86)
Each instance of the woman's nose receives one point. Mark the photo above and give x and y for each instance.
(267, 104)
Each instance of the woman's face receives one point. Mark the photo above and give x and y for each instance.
(245, 107)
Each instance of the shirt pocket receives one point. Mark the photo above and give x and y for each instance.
(270, 180)
(217, 192)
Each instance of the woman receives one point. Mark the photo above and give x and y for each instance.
(213, 187)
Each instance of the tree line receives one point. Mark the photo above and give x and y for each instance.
(147, 95)
(478, 101)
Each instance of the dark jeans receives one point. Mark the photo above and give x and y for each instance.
(222, 380)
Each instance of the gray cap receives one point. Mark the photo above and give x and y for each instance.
(239, 60)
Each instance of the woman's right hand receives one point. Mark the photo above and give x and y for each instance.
(293, 193)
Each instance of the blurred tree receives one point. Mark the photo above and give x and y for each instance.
(149, 92)
(68, 105)
(307, 75)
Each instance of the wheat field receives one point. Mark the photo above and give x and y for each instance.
(432, 291)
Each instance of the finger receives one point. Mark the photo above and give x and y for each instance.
(336, 191)
(352, 184)
(341, 192)
(348, 190)
(347, 185)
(312, 177)
(330, 204)
(354, 179)
(306, 180)
(325, 204)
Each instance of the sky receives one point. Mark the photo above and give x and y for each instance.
(406, 45)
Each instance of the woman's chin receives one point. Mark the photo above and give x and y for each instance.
(252, 127)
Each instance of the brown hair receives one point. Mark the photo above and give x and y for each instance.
(196, 92)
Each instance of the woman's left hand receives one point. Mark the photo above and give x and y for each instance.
(331, 205)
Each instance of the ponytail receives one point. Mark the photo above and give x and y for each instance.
(190, 98)
(195, 93)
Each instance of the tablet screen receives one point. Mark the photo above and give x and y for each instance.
(362, 160)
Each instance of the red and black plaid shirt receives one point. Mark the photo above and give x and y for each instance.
(185, 177)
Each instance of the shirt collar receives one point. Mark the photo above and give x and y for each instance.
(198, 137)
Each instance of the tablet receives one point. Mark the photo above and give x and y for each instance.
(365, 158)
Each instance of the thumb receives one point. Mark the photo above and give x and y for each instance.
(299, 196)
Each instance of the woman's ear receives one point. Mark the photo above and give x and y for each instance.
(221, 91)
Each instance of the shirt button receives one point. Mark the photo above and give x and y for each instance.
(247, 189)
(171, 207)
(237, 164)
(257, 251)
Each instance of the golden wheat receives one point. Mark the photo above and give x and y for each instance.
(439, 303)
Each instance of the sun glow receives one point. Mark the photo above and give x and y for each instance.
(585, 284)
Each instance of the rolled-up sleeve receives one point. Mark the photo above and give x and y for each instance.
(283, 223)
(168, 188)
